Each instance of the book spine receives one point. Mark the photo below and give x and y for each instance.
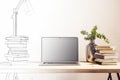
(102, 63)
(102, 46)
(107, 51)
(106, 60)
(105, 56)
(99, 56)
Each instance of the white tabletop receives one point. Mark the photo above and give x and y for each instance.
(83, 67)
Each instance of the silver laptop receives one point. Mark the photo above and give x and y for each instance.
(59, 50)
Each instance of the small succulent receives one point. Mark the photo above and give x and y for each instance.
(94, 34)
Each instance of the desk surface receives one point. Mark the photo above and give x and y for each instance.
(84, 67)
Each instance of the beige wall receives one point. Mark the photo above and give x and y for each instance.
(62, 18)
(69, 17)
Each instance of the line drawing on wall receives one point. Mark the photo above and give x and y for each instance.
(16, 44)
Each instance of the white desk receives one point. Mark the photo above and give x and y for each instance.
(84, 67)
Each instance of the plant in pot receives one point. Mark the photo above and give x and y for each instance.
(91, 36)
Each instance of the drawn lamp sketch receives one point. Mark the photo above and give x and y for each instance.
(17, 44)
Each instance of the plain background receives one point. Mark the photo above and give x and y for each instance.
(61, 18)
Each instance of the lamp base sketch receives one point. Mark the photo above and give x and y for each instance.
(14, 76)
(17, 48)
(10, 76)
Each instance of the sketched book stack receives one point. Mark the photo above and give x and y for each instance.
(17, 48)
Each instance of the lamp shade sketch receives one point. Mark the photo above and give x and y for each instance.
(17, 44)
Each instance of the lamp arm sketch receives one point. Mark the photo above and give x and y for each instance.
(20, 3)
(14, 17)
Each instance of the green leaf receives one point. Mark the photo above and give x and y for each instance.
(94, 34)
(84, 32)
(94, 30)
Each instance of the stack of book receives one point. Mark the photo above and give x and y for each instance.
(105, 55)
(17, 48)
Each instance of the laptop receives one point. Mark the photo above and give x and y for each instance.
(59, 51)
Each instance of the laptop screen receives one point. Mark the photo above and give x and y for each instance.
(59, 50)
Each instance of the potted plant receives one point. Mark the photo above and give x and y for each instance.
(91, 36)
